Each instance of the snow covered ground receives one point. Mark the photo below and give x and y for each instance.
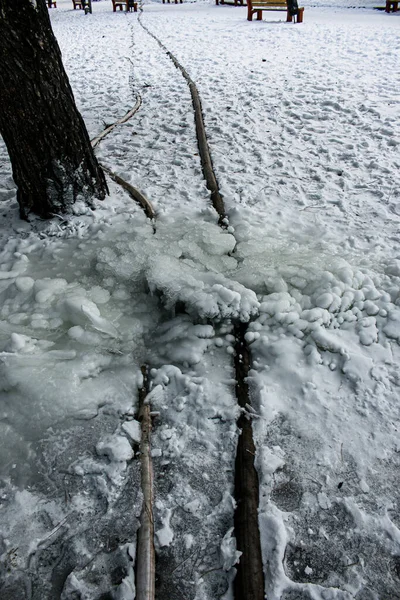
(304, 133)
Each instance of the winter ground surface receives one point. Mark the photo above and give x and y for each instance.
(304, 131)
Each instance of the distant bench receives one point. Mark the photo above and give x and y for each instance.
(121, 4)
(257, 6)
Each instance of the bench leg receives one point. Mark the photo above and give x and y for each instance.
(249, 13)
(300, 15)
(259, 15)
(289, 17)
(391, 6)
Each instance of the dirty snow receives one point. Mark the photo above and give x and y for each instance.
(303, 128)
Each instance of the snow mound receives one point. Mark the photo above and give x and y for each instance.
(186, 263)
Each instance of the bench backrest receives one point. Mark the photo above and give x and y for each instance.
(281, 4)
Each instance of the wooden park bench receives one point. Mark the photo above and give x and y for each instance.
(124, 4)
(257, 6)
(169, 1)
(392, 6)
(51, 3)
(77, 4)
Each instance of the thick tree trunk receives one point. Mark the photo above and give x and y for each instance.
(52, 159)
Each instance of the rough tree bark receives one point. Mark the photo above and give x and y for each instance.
(52, 159)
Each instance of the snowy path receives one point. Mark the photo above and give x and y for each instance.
(306, 152)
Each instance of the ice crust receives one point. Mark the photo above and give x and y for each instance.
(186, 264)
(308, 308)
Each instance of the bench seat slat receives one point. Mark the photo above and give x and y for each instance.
(269, 7)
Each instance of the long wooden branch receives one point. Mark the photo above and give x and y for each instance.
(133, 192)
(145, 564)
(202, 143)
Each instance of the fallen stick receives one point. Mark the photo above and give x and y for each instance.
(145, 563)
(95, 141)
(202, 143)
(249, 580)
(133, 192)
